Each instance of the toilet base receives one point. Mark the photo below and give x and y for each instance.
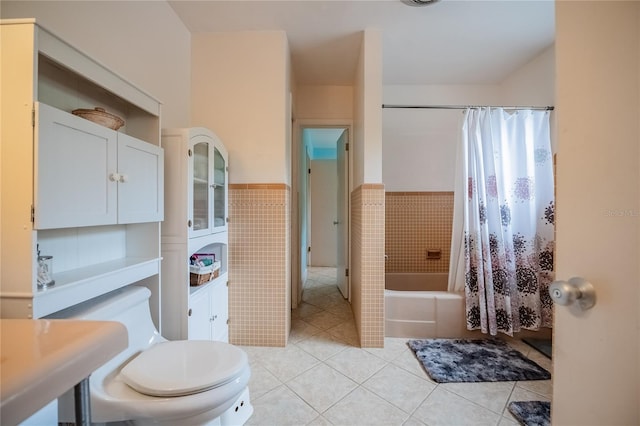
(236, 415)
(239, 412)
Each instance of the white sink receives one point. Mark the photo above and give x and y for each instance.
(42, 359)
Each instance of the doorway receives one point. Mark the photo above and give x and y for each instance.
(324, 203)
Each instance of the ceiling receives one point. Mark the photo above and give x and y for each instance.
(446, 42)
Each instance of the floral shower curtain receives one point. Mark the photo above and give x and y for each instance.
(507, 242)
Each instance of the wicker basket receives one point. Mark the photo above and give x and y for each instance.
(100, 116)
(202, 275)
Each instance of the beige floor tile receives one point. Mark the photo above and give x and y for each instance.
(399, 387)
(346, 332)
(281, 406)
(362, 407)
(408, 361)
(520, 394)
(324, 320)
(508, 421)
(322, 345)
(320, 421)
(356, 364)
(305, 309)
(393, 348)
(446, 408)
(542, 388)
(541, 360)
(342, 310)
(324, 301)
(262, 381)
(321, 387)
(286, 363)
(493, 395)
(300, 330)
(412, 421)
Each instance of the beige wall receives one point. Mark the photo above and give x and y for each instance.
(240, 90)
(533, 83)
(324, 102)
(367, 153)
(144, 42)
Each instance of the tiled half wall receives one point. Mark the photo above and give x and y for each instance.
(414, 223)
(367, 263)
(259, 264)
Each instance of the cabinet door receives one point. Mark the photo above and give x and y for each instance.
(219, 191)
(220, 311)
(73, 161)
(200, 172)
(141, 181)
(200, 315)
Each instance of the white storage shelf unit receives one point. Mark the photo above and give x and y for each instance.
(89, 196)
(195, 222)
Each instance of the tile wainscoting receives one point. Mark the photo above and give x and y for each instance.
(259, 264)
(414, 223)
(367, 263)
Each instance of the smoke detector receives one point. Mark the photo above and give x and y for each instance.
(419, 2)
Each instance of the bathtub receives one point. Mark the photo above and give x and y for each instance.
(418, 305)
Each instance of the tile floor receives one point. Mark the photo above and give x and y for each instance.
(322, 377)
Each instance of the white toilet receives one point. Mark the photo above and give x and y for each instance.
(160, 382)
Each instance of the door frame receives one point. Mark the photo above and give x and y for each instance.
(297, 278)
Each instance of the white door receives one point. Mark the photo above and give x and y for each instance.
(324, 183)
(596, 353)
(342, 234)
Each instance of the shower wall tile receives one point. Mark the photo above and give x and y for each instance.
(259, 264)
(414, 223)
(367, 262)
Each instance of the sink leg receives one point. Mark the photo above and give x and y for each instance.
(82, 403)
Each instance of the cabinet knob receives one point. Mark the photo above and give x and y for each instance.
(124, 178)
(189, 223)
(114, 177)
(189, 312)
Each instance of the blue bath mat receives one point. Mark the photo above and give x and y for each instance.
(531, 413)
(480, 360)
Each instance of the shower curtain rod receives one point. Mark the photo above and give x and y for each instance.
(542, 108)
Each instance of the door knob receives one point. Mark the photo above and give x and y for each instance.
(576, 290)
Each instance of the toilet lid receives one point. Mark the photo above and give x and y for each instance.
(184, 367)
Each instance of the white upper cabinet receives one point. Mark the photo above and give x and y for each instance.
(90, 175)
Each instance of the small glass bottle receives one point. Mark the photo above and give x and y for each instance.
(45, 272)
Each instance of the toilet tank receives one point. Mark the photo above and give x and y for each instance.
(128, 305)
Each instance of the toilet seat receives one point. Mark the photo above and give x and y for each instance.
(185, 367)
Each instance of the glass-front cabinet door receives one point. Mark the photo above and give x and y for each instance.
(200, 199)
(219, 191)
(208, 187)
